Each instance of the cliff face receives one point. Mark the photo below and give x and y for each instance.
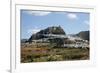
(50, 30)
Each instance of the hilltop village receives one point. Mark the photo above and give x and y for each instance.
(56, 37)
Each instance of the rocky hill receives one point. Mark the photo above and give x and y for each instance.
(84, 35)
(50, 30)
(57, 30)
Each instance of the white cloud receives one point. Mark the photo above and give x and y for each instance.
(38, 13)
(86, 22)
(72, 16)
(33, 31)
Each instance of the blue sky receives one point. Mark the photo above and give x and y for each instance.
(71, 22)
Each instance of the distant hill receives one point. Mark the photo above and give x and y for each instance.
(84, 35)
(23, 40)
(50, 30)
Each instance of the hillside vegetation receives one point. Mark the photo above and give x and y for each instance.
(35, 53)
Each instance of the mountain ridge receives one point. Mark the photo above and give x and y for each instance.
(56, 30)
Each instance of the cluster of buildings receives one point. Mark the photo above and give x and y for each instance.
(68, 41)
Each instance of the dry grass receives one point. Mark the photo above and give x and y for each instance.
(32, 53)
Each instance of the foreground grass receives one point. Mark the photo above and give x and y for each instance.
(45, 54)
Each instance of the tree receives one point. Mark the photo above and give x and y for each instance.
(57, 42)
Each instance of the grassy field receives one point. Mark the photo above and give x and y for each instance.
(31, 53)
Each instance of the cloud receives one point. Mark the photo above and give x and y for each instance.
(72, 16)
(86, 22)
(33, 31)
(38, 13)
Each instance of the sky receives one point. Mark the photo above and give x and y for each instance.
(71, 22)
